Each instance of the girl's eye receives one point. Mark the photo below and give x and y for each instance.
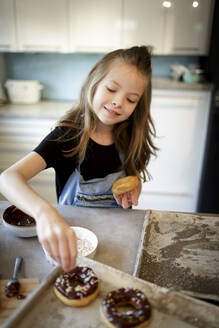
(131, 101)
(110, 90)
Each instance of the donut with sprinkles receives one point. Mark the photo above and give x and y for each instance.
(138, 317)
(78, 287)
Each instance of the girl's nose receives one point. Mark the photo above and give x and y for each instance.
(117, 102)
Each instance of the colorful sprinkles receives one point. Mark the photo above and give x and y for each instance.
(85, 247)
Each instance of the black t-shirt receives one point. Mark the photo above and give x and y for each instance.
(99, 160)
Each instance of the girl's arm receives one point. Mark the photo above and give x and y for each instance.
(53, 231)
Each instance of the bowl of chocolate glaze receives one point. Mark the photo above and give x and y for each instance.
(18, 222)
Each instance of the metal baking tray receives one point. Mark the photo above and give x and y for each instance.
(169, 309)
(180, 251)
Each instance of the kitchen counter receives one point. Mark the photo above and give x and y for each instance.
(118, 232)
(55, 109)
(169, 84)
(42, 110)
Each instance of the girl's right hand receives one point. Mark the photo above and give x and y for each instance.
(58, 239)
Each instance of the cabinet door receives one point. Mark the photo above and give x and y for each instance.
(181, 123)
(7, 26)
(19, 136)
(143, 24)
(42, 25)
(95, 25)
(188, 28)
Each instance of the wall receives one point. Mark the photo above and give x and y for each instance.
(63, 74)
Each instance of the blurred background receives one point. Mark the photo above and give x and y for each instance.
(47, 48)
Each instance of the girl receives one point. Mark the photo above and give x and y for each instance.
(106, 136)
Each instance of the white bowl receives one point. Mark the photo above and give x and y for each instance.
(87, 244)
(18, 230)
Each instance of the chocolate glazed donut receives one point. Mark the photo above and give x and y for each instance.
(78, 287)
(138, 317)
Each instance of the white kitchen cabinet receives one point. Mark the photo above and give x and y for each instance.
(101, 25)
(188, 28)
(42, 25)
(19, 136)
(181, 120)
(143, 24)
(8, 40)
(95, 26)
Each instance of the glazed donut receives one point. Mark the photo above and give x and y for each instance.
(139, 317)
(78, 287)
(125, 184)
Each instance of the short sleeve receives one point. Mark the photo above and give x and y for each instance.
(50, 148)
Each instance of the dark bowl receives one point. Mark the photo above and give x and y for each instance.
(18, 222)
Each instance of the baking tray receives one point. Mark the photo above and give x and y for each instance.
(180, 251)
(170, 309)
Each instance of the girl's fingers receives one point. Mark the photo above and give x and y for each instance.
(58, 239)
(72, 245)
(130, 198)
(134, 197)
(118, 199)
(54, 246)
(125, 201)
(64, 252)
(48, 249)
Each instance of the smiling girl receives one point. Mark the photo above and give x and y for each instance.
(106, 136)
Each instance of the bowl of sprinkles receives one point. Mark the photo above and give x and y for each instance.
(18, 222)
(86, 242)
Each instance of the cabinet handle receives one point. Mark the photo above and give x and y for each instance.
(40, 47)
(5, 46)
(93, 48)
(186, 49)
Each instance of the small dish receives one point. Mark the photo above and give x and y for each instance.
(18, 222)
(87, 244)
(192, 78)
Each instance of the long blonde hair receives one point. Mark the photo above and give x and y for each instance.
(133, 137)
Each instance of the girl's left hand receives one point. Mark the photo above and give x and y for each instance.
(128, 199)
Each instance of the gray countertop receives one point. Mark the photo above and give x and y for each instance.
(118, 232)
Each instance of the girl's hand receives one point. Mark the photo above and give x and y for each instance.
(128, 199)
(57, 238)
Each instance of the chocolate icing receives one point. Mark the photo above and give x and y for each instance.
(126, 296)
(13, 215)
(12, 288)
(21, 297)
(79, 283)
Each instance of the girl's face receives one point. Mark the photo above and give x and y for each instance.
(118, 93)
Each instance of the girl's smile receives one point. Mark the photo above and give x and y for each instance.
(117, 94)
(111, 111)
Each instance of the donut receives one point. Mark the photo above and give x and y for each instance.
(125, 184)
(139, 317)
(78, 287)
